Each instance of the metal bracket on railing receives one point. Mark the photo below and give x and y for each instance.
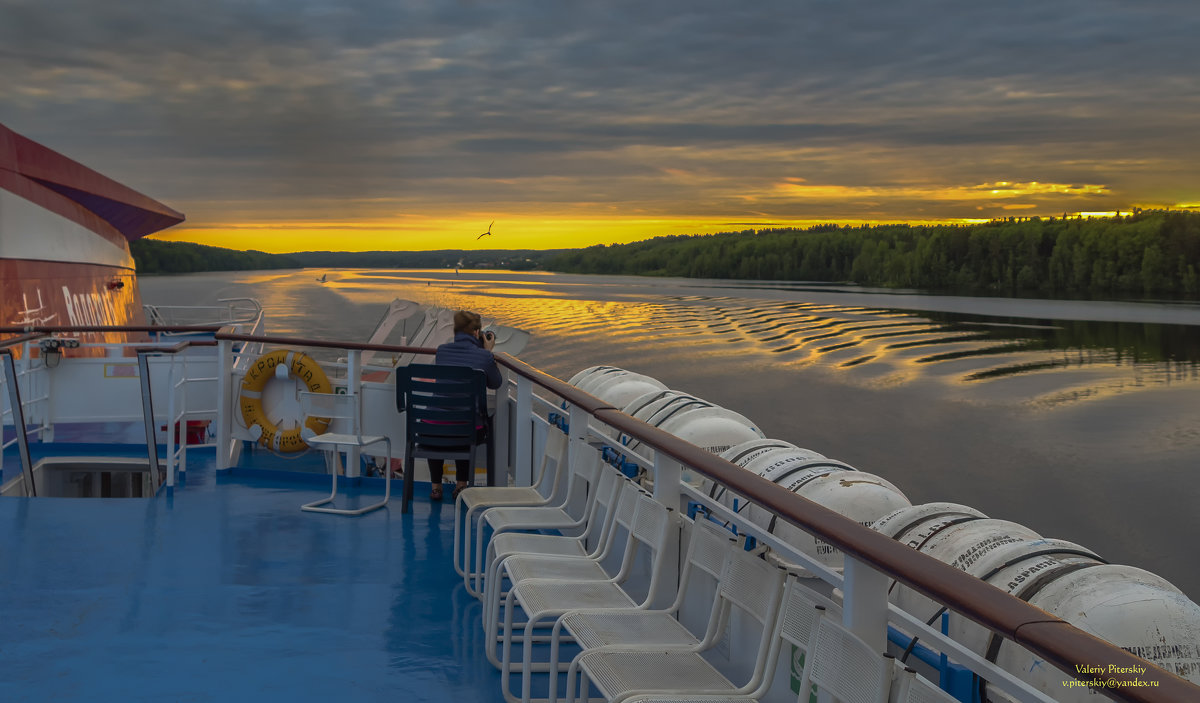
(18, 413)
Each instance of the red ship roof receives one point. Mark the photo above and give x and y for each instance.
(76, 192)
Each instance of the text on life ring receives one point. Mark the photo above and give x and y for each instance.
(301, 367)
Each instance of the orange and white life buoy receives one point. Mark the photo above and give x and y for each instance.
(301, 367)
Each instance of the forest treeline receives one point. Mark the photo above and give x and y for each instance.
(1144, 253)
(510, 259)
(154, 256)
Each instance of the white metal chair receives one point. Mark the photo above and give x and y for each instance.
(515, 556)
(912, 688)
(749, 584)
(478, 498)
(341, 409)
(570, 514)
(710, 550)
(694, 698)
(845, 667)
(544, 598)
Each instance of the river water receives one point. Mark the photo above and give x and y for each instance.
(1078, 419)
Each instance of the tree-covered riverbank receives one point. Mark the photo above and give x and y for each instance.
(154, 256)
(1145, 253)
(1155, 253)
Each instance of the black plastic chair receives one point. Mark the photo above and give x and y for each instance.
(443, 406)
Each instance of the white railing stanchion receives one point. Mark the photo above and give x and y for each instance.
(183, 403)
(864, 609)
(667, 474)
(577, 432)
(502, 431)
(524, 428)
(171, 422)
(226, 454)
(354, 387)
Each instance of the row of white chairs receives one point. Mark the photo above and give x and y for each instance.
(548, 491)
(628, 650)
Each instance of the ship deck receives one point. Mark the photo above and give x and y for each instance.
(225, 590)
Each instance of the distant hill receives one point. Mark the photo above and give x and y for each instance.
(511, 259)
(154, 256)
(1146, 253)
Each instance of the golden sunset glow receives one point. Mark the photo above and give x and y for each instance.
(799, 188)
(412, 126)
(519, 232)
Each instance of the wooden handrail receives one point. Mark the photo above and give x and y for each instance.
(557, 386)
(51, 329)
(1060, 643)
(1048, 636)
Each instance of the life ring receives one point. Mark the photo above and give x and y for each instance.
(299, 366)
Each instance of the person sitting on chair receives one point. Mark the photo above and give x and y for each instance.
(471, 347)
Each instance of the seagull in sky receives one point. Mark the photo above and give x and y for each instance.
(487, 232)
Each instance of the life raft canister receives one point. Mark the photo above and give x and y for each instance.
(299, 366)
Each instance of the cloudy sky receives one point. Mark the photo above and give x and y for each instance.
(289, 125)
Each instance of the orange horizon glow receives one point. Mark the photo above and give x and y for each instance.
(533, 232)
(516, 233)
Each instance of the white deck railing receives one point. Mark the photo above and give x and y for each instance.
(872, 560)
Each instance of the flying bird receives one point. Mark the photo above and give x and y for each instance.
(487, 232)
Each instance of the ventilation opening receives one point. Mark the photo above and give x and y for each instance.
(86, 477)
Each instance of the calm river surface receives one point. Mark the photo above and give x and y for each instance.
(1078, 419)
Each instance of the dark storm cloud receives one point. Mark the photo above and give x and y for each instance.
(294, 98)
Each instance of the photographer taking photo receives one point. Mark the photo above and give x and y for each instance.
(471, 347)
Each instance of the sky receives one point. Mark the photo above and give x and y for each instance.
(295, 125)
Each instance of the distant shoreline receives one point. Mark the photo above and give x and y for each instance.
(1147, 254)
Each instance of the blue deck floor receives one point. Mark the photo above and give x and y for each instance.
(226, 591)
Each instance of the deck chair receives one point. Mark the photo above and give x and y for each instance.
(570, 515)
(341, 407)
(474, 500)
(845, 667)
(711, 549)
(514, 556)
(751, 585)
(912, 688)
(543, 600)
(444, 406)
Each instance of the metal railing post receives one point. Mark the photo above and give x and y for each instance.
(523, 423)
(354, 386)
(18, 416)
(864, 608)
(577, 418)
(171, 426)
(181, 389)
(667, 474)
(225, 452)
(502, 430)
(148, 418)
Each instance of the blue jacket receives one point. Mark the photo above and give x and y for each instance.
(466, 350)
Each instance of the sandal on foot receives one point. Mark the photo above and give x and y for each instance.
(435, 492)
(459, 489)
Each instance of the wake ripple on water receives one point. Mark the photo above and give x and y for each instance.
(1060, 414)
(864, 344)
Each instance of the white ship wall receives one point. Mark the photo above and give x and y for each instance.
(28, 231)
